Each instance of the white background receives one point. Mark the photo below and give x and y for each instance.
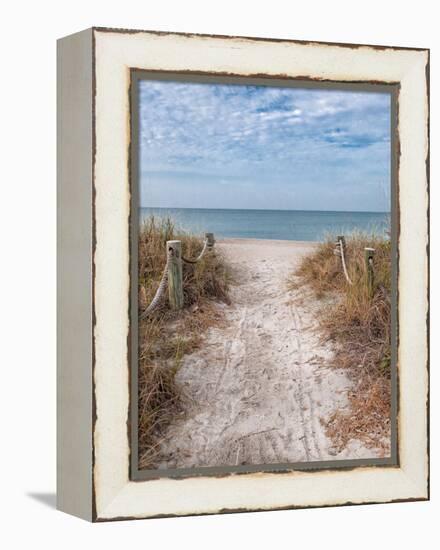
(27, 300)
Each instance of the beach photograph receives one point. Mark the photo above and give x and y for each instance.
(264, 274)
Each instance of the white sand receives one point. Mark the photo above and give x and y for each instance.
(261, 388)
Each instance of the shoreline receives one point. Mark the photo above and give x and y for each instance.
(276, 242)
(268, 225)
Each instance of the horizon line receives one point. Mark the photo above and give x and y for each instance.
(268, 209)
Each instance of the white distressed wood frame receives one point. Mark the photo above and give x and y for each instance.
(98, 435)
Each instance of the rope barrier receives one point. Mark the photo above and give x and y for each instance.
(344, 267)
(199, 257)
(164, 281)
(159, 292)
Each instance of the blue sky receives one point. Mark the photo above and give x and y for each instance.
(229, 146)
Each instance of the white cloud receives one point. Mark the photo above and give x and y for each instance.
(296, 136)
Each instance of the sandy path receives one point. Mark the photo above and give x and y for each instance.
(259, 387)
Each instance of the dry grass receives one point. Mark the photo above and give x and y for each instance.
(368, 419)
(359, 324)
(166, 336)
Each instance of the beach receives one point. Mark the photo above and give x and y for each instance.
(261, 387)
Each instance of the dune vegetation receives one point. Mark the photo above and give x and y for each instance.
(165, 336)
(357, 319)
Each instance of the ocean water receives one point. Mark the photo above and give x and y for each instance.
(295, 225)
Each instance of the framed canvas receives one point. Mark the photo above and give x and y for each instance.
(243, 242)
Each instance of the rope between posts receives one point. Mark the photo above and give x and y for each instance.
(344, 267)
(199, 257)
(164, 281)
(160, 290)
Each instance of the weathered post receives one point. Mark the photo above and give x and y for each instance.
(369, 269)
(175, 285)
(210, 240)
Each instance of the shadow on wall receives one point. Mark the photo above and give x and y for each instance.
(48, 499)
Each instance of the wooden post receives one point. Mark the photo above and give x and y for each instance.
(175, 286)
(210, 239)
(369, 255)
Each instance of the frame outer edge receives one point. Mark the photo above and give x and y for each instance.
(74, 274)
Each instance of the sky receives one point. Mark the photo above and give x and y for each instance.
(259, 147)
